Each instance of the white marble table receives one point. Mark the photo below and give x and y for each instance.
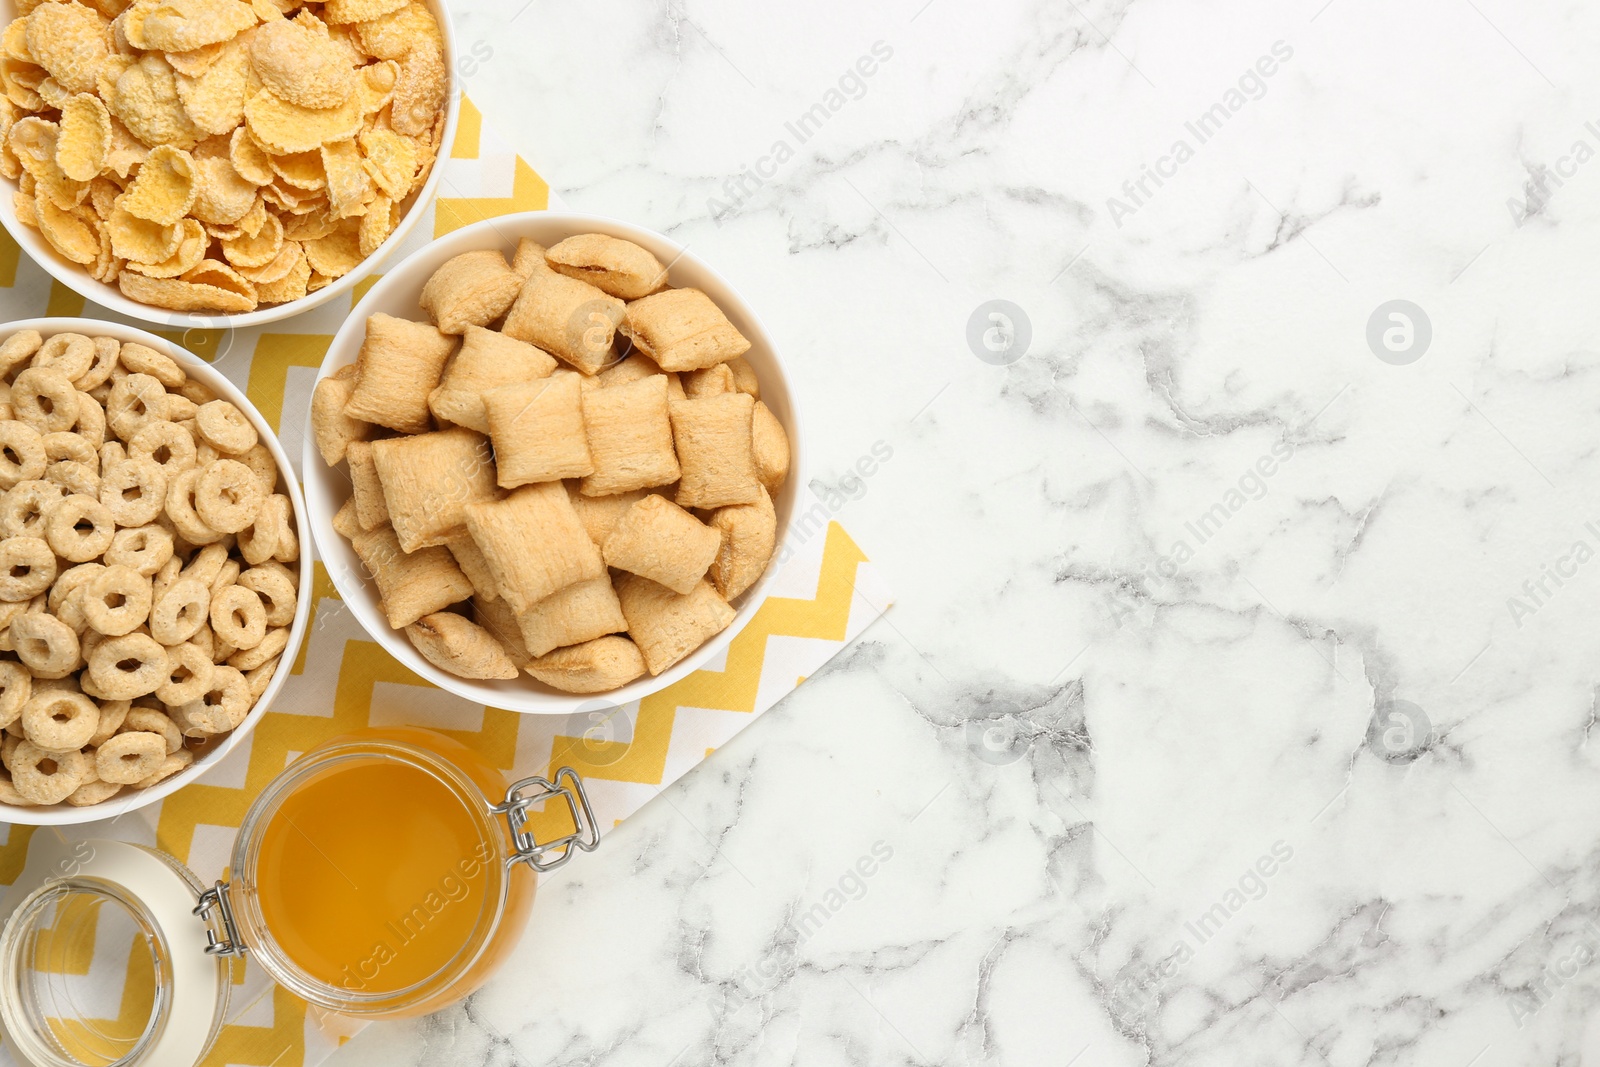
(1237, 706)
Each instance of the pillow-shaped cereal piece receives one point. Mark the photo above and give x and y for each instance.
(599, 514)
(618, 267)
(459, 646)
(529, 258)
(667, 626)
(631, 369)
(712, 381)
(472, 289)
(411, 585)
(534, 543)
(744, 376)
(399, 364)
(473, 565)
(487, 360)
(749, 537)
(596, 666)
(570, 319)
(578, 613)
(345, 523)
(659, 540)
(330, 426)
(537, 428)
(714, 448)
(497, 617)
(770, 447)
(372, 511)
(428, 480)
(681, 329)
(630, 437)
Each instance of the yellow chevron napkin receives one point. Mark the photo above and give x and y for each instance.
(826, 593)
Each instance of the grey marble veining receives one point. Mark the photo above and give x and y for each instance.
(1239, 700)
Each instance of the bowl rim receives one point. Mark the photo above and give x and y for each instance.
(122, 803)
(74, 277)
(330, 545)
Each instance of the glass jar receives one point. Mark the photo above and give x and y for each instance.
(386, 873)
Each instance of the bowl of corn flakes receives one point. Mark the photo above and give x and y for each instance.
(219, 163)
(554, 460)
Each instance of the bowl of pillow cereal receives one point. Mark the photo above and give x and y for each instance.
(219, 163)
(152, 596)
(552, 459)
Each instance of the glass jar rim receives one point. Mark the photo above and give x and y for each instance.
(314, 765)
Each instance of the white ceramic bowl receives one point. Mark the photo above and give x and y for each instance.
(132, 799)
(396, 294)
(76, 278)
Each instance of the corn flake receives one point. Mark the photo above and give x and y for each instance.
(278, 268)
(184, 25)
(84, 143)
(393, 35)
(377, 224)
(69, 41)
(67, 231)
(419, 93)
(280, 126)
(141, 240)
(14, 43)
(192, 244)
(127, 151)
(376, 85)
(293, 285)
(249, 159)
(300, 170)
(180, 294)
(165, 188)
(349, 185)
(222, 197)
(256, 251)
(336, 254)
(303, 66)
(342, 11)
(146, 100)
(215, 98)
(391, 160)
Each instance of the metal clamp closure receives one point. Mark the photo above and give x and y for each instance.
(551, 854)
(229, 943)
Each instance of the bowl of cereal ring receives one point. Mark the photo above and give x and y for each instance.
(153, 593)
(220, 163)
(553, 460)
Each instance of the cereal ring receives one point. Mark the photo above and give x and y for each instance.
(25, 508)
(106, 350)
(91, 424)
(166, 574)
(181, 510)
(261, 677)
(27, 567)
(71, 613)
(47, 777)
(144, 548)
(259, 459)
(181, 409)
(226, 428)
(126, 758)
(45, 400)
(180, 612)
(175, 762)
(238, 617)
(45, 644)
(68, 582)
(60, 721)
(189, 672)
(16, 686)
(135, 490)
(112, 715)
(276, 586)
(226, 576)
(123, 668)
(112, 453)
(22, 456)
(228, 495)
(72, 446)
(142, 359)
(8, 747)
(70, 353)
(117, 601)
(206, 453)
(225, 703)
(258, 542)
(78, 479)
(19, 348)
(79, 528)
(167, 444)
(206, 564)
(205, 641)
(136, 400)
(89, 794)
(148, 720)
(269, 647)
